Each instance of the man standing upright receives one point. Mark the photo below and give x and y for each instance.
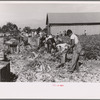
(76, 47)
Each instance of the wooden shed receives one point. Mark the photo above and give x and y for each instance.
(79, 23)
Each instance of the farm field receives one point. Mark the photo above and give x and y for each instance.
(43, 69)
(33, 66)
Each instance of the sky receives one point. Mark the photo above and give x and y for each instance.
(34, 14)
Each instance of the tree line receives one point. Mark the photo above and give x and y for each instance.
(14, 30)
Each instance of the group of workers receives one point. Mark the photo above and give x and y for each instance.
(55, 43)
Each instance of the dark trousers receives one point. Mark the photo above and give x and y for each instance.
(50, 47)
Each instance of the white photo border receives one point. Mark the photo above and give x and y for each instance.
(38, 90)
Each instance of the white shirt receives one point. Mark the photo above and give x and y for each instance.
(35, 33)
(50, 36)
(40, 34)
(75, 38)
(62, 46)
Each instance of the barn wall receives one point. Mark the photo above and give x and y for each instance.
(77, 29)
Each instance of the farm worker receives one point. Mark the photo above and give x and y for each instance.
(42, 41)
(76, 47)
(40, 33)
(62, 46)
(35, 33)
(58, 39)
(48, 37)
(50, 43)
(62, 49)
(37, 39)
(47, 42)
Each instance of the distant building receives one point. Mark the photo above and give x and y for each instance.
(77, 22)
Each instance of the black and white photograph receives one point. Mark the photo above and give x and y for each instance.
(49, 50)
(50, 42)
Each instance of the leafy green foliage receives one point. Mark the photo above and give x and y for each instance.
(11, 28)
(91, 45)
(27, 29)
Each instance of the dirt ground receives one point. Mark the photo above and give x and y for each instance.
(32, 66)
(42, 68)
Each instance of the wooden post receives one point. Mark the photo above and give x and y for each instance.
(48, 29)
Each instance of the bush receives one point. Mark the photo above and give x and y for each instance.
(91, 45)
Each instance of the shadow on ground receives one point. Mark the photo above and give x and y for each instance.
(12, 77)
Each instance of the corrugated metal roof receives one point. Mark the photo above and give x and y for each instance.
(73, 18)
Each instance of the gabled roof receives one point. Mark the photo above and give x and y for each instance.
(73, 18)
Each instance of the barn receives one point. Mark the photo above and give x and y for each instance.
(79, 23)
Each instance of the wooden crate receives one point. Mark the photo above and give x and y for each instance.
(4, 71)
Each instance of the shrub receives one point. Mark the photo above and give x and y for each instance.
(91, 45)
